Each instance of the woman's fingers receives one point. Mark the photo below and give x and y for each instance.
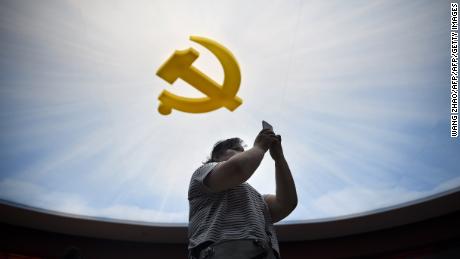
(269, 132)
(274, 138)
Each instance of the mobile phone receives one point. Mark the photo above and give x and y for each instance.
(266, 125)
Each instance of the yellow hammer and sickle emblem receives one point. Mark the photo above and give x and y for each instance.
(179, 65)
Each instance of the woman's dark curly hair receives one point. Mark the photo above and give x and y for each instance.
(221, 146)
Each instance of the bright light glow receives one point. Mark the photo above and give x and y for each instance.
(359, 90)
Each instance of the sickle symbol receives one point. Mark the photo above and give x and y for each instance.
(179, 65)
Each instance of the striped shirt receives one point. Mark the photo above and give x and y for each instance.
(237, 213)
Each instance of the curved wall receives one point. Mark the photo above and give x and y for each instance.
(430, 227)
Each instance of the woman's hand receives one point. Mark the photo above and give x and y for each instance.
(264, 139)
(276, 151)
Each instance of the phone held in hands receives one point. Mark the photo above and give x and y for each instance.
(266, 125)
